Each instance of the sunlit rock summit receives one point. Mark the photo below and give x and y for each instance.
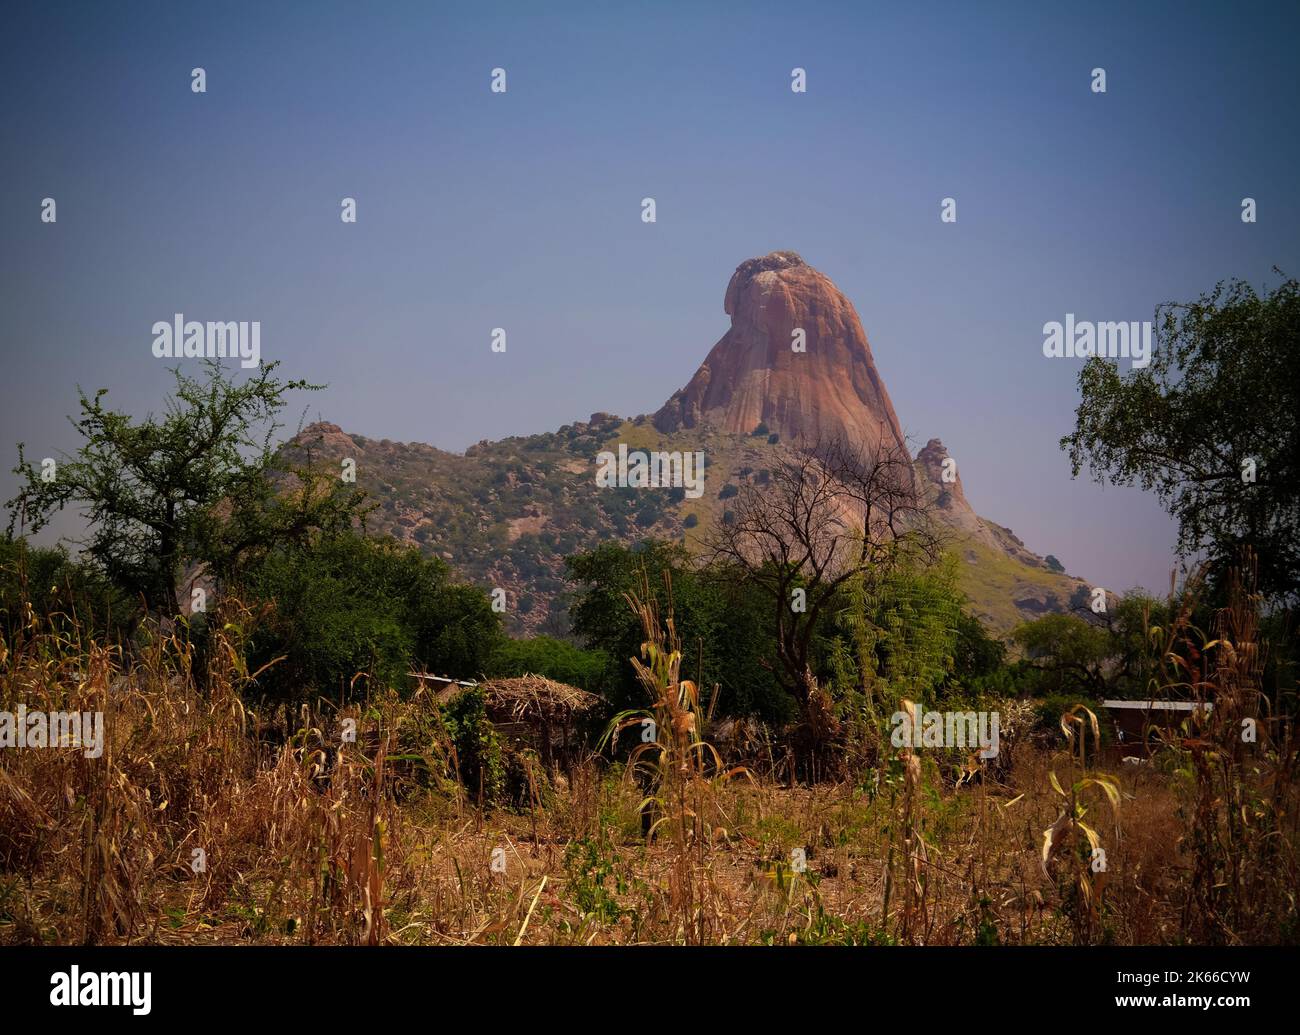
(795, 358)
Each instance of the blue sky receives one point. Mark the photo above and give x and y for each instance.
(478, 210)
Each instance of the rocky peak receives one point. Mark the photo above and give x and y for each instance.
(828, 388)
(930, 461)
(946, 493)
(773, 262)
(326, 437)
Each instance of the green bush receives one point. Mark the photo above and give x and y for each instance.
(478, 748)
(72, 593)
(347, 604)
(725, 631)
(552, 658)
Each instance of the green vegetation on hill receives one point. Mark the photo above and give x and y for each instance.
(1004, 592)
(507, 513)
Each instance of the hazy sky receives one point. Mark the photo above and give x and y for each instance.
(522, 210)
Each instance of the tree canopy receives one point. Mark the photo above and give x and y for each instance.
(198, 483)
(346, 604)
(1210, 426)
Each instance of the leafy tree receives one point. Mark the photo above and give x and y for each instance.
(327, 624)
(456, 631)
(832, 516)
(1069, 652)
(899, 633)
(977, 656)
(194, 484)
(1216, 408)
(1108, 655)
(725, 632)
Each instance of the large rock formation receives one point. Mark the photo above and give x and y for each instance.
(753, 375)
(833, 391)
(506, 513)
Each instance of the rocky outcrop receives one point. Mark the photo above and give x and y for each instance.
(942, 478)
(821, 387)
(328, 439)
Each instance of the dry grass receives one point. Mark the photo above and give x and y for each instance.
(531, 698)
(307, 839)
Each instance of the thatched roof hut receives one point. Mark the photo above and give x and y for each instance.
(531, 711)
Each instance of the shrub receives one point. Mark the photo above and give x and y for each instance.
(348, 604)
(552, 658)
(478, 748)
(723, 629)
(56, 584)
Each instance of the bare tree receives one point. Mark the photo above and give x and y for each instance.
(829, 513)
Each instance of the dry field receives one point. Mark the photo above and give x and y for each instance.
(204, 822)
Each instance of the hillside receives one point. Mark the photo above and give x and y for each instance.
(795, 365)
(506, 513)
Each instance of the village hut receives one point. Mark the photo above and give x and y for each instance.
(1137, 721)
(529, 712)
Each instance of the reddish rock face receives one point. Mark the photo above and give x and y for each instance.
(948, 497)
(753, 376)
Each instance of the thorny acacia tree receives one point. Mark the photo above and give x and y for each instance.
(202, 483)
(829, 514)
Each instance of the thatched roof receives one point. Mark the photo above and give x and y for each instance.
(521, 699)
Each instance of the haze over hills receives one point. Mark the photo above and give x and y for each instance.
(794, 367)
